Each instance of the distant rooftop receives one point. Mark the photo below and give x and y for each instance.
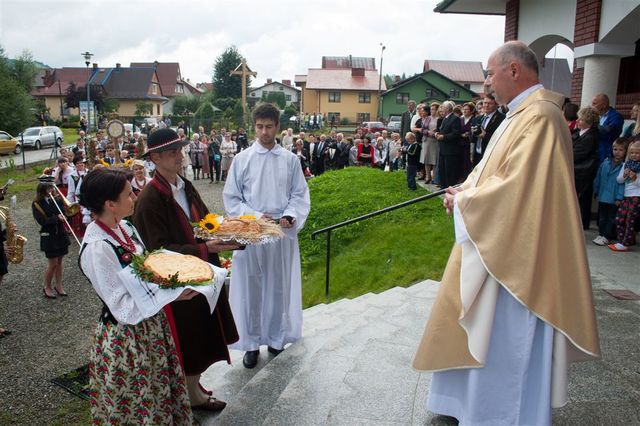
(342, 79)
(460, 71)
(348, 62)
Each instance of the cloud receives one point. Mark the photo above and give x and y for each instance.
(279, 38)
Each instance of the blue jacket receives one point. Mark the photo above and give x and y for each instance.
(610, 127)
(605, 186)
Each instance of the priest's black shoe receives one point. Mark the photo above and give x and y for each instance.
(250, 359)
(274, 351)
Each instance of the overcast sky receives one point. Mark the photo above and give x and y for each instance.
(279, 38)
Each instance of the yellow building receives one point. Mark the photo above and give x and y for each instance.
(345, 87)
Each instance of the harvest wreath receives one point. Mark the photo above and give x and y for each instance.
(171, 270)
(243, 229)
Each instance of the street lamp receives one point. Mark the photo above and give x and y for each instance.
(87, 60)
(380, 83)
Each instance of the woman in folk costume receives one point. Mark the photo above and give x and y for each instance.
(163, 214)
(140, 178)
(54, 241)
(515, 304)
(134, 373)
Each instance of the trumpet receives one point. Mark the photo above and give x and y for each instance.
(70, 209)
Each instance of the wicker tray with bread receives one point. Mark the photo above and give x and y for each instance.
(245, 230)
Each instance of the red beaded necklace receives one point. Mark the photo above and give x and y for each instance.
(128, 244)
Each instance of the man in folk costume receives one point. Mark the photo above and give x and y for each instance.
(266, 180)
(515, 303)
(163, 213)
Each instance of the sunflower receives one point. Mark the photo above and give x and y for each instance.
(209, 223)
(128, 163)
(104, 163)
(247, 217)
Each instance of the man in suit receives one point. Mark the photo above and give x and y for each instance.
(319, 154)
(451, 148)
(487, 125)
(610, 125)
(407, 119)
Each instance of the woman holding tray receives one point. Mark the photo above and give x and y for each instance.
(135, 372)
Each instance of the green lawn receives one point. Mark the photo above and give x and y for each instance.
(394, 249)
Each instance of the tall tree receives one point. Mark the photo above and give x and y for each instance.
(15, 101)
(74, 94)
(25, 70)
(225, 85)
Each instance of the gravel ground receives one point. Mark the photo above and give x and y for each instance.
(50, 337)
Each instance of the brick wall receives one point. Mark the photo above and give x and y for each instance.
(587, 29)
(587, 26)
(511, 20)
(576, 83)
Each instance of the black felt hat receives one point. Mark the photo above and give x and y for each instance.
(164, 140)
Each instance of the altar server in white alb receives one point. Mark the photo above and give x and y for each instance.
(265, 293)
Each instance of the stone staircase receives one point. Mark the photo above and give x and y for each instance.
(351, 367)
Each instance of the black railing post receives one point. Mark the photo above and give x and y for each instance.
(328, 266)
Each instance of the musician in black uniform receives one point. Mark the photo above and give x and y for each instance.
(54, 241)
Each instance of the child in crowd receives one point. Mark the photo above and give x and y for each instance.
(609, 192)
(413, 159)
(629, 210)
(111, 155)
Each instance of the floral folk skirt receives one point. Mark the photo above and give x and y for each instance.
(136, 376)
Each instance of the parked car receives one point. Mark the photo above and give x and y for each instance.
(37, 137)
(371, 127)
(394, 123)
(9, 144)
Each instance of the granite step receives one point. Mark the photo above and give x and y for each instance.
(333, 335)
(378, 353)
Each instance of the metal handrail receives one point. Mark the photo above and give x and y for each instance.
(328, 229)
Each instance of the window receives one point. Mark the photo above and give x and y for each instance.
(158, 109)
(334, 97)
(364, 98)
(333, 114)
(4, 137)
(287, 97)
(362, 117)
(179, 88)
(253, 94)
(154, 88)
(454, 93)
(430, 93)
(402, 98)
(281, 88)
(467, 85)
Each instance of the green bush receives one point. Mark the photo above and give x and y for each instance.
(344, 121)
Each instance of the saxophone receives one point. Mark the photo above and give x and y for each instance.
(13, 239)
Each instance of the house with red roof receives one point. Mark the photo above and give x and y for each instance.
(345, 88)
(466, 73)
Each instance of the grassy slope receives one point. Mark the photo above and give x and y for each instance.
(397, 248)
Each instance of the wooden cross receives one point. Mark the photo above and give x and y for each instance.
(243, 71)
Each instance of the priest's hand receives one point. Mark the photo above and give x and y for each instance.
(217, 247)
(448, 198)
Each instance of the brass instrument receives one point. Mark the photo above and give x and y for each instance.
(66, 202)
(14, 240)
(70, 209)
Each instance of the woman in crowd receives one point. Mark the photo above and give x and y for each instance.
(429, 129)
(467, 120)
(204, 144)
(585, 159)
(302, 154)
(61, 174)
(214, 158)
(54, 241)
(140, 178)
(135, 375)
(570, 112)
(74, 179)
(196, 154)
(421, 138)
(228, 151)
(366, 153)
(380, 153)
(395, 151)
(633, 131)
(4, 252)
